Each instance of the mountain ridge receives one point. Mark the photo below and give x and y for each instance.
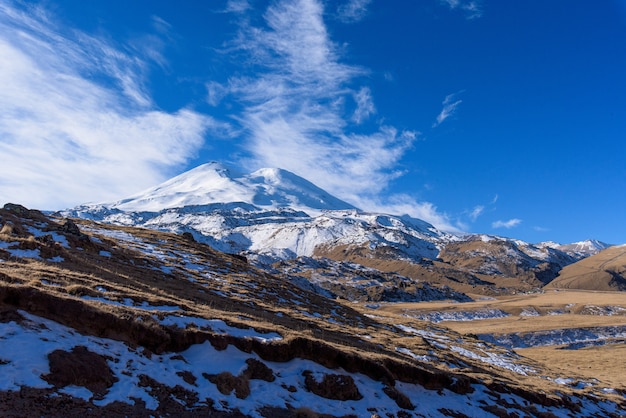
(274, 215)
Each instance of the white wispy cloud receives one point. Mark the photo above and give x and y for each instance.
(364, 105)
(304, 107)
(295, 107)
(353, 10)
(76, 121)
(476, 212)
(472, 8)
(215, 92)
(450, 103)
(479, 210)
(511, 223)
(237, 6)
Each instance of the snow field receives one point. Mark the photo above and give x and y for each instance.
(38, 337)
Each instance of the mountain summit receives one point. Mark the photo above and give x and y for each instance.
(270, 212)
(268, 188)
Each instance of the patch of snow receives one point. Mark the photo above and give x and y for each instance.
(77, 392)
(217, 326)
(128, 302)
(529, 312)
(24, 253)
(441, 316)
(556, 337)
(37, 337)
(494, 359)
(55, 235)
(602, 310)
(414, 356)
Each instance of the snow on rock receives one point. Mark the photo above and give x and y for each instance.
(473, 350)
(217, 326)
(578, 249)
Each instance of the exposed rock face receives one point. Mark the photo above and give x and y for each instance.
(258, 370)
(226, 382)
(80, 367)
(401, 399)
(69, 227)
(333, 386)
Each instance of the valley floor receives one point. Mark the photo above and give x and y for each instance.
(579, 334)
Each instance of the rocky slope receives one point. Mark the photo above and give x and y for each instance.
(100, 320)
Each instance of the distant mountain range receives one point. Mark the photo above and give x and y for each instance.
(273, 215)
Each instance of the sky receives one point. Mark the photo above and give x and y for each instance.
(497, 117)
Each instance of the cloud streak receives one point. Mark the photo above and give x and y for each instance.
(511, 223)
(450, 104)
(473, 9)
(353, 10)
(305, 111)
(476, 212)
(76, 121)
(78, 124)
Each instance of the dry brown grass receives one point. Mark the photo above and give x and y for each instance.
(601, 363)
(603, 271)
(458, 277)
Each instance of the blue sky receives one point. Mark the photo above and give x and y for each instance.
(499, 117)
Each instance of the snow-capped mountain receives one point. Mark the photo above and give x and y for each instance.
(211, 183)
(579, 249)
(270, 212)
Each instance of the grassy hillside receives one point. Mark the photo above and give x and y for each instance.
(101, 320)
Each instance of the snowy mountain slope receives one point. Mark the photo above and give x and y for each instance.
(579, 249)
(272, 215)
(270, 212)
(268, 188)
(99, 320)
(505, 257)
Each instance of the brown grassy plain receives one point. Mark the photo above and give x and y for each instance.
(557, 309)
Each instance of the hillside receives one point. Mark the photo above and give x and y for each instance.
(605, 270)
(107, 320)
